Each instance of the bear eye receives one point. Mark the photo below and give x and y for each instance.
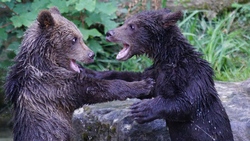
(132, 26)
(74, 40)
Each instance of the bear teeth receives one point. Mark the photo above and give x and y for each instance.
(74, 66)
(123, 53)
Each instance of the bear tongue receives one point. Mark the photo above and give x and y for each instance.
(74, 66)
(123, 53)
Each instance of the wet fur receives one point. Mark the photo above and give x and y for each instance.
(184, 93)
(44, 91)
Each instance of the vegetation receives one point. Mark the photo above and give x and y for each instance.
(224, 39)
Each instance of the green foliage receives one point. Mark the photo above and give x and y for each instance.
(92, 17)
(164, 3)
(224, 40)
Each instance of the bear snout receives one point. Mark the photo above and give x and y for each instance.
(91, 55)
(109, 35)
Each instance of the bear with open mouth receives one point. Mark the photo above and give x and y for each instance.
(184, 92)
(45, 85)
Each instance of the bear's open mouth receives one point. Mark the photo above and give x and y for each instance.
(74, 66)
(124, 53)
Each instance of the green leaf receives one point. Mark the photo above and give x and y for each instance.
(16, 20)
(93, 18)
(28, 18)
(76, 22)
(70, 2)
(37, 5)
(86, 4)
(90, 5)
(109, 24)
(61, 5)
(21, 8)
(5, 64)
(14, 47)
(11, 54)
(88, 33)
(10, 4)
(23, 19)
(95, 46)
(107, 8)
(101, 18)
(19, 33)
(3, 34)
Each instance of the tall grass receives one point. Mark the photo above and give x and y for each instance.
(223, 42)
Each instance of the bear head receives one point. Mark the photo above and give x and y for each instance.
(143, 33)
(64, 39)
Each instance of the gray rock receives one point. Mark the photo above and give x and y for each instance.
(111, 121)
(236, 100)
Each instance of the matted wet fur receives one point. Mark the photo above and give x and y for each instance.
(184, 93)
(45, 85)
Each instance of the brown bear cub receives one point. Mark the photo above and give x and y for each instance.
(45, 85)
(184, 92)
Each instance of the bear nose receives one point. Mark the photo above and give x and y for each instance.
(110, 33)
(91, 55)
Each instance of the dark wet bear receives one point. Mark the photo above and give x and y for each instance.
(184, 93)
(45, 84)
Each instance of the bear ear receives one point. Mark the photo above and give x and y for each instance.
(54, 10)
(45, 19)
(171, 18)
